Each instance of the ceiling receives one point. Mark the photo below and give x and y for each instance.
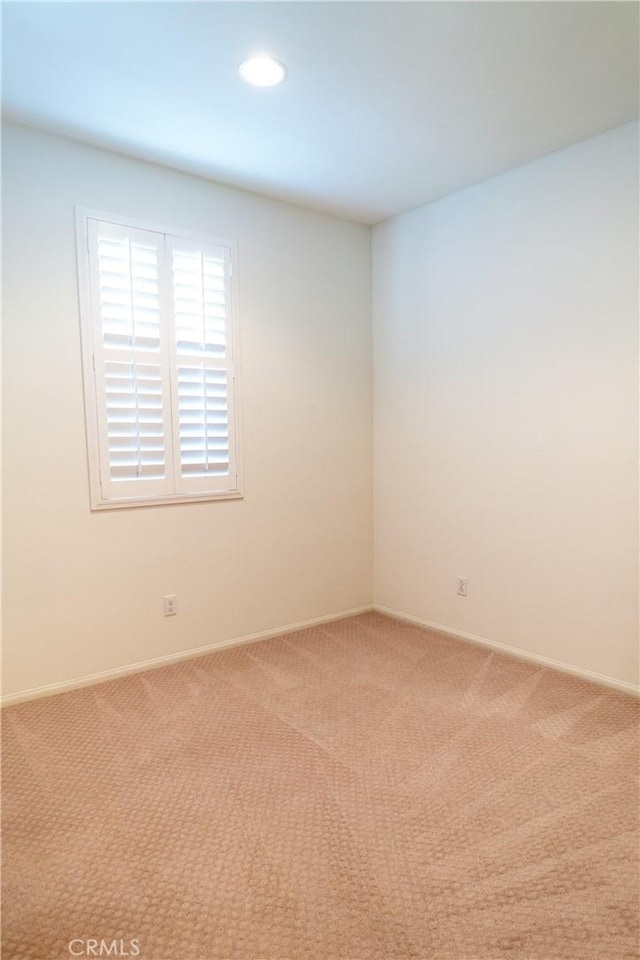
(386, 105)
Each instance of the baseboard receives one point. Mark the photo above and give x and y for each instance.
(105, 675)
(514, 651)
(95, 678)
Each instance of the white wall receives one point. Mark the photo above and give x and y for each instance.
(83, 592)
(506, 408)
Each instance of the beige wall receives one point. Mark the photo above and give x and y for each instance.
(506, 445)
(83, 591)
(506, 408)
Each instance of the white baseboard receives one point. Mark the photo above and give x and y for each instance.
(93, 678)
(514, 651)
(103, 676)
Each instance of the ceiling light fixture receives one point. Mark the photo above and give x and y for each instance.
(262, 71)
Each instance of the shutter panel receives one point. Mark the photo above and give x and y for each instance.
(131, 361)
(202, 365)
(199, 287)
(129, 290)
(135, 426)
(203, 421)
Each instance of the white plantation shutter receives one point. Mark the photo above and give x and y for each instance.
(160, 342)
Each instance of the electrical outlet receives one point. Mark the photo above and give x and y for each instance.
(462, 586)
(170, 605)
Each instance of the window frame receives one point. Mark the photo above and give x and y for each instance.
(88, 327)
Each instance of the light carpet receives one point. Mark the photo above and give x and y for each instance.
(362, 789)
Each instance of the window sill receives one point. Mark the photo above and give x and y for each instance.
(100, 505)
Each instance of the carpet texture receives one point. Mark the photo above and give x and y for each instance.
(363, 789)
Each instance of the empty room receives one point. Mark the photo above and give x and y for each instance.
(320, 581)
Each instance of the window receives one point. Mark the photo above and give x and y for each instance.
(158, 357)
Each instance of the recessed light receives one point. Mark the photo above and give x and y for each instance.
(262, 71)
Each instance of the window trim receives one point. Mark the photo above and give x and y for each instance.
(89, 381)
